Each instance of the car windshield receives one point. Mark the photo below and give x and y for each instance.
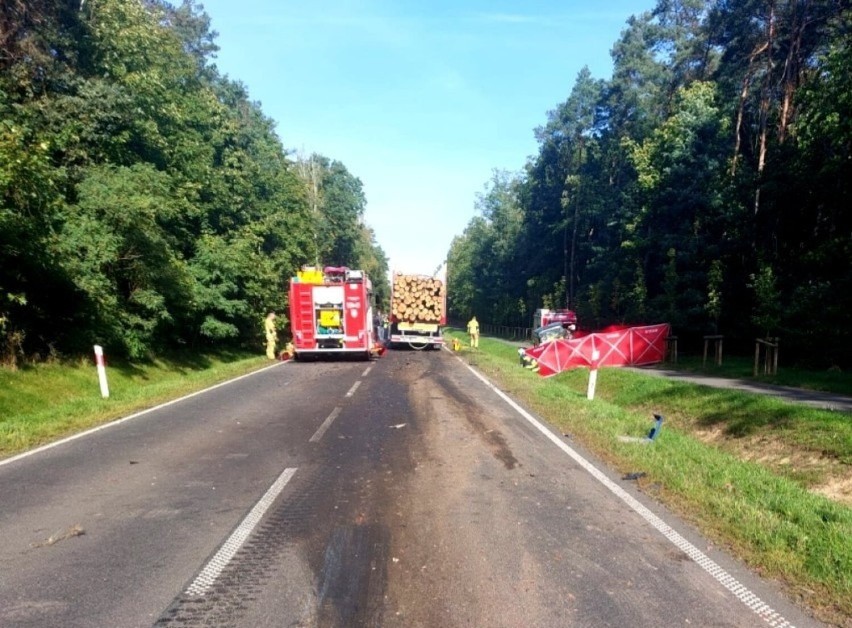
(549, 332)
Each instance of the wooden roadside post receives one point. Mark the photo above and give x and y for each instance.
(671, 349)
(717, 348)
(770, 355)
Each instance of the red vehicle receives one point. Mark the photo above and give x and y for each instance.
(544, 317)
(331, 312)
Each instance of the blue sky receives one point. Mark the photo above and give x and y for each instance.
(420, 100)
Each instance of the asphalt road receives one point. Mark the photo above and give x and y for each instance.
(402, 492)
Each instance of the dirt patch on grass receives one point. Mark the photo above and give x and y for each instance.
(812, 470)
(838, 489)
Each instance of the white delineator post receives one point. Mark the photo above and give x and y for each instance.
(99, 360)
(593, 375)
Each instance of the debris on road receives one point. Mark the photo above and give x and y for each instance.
(652, 434)
(75, 530)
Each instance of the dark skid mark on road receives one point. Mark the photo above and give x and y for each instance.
(326, 515)
(239, 584)
(492, 437)
(353, 577)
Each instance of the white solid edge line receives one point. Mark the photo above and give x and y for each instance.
(354, 388)
(325, 425)
(748, 598)
(135, 415)
(217, 564)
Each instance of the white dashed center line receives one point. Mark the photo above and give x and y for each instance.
(325, 425)
(354, 388)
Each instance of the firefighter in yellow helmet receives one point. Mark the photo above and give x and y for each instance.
(527, 361)
(271, 335)
(473, 330)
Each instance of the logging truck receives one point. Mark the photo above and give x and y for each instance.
(418, 311)
(331, 312)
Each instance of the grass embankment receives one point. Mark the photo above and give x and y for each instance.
(767, 479)
(44, 402)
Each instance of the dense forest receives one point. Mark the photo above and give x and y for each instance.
(705, 184)
(146, 203)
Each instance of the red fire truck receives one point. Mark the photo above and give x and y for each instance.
(331, 312)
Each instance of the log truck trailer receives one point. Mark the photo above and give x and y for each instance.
(331, 312)
(418, 311)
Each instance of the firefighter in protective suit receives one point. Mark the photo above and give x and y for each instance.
(473, 330)
(527, 361)
(288, 352)
(271, 335)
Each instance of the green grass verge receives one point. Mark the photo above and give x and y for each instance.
(743, 468)
(45, 402)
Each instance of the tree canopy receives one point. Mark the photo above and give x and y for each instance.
(145, 201)
(705, 184)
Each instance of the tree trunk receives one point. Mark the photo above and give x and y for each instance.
(792, 68)
(743, 97)
(765, 101)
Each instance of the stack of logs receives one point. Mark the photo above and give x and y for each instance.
(417, 299)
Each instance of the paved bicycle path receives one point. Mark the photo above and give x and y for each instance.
(813, 398)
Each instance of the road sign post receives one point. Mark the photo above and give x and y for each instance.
(99, 360)
(593, 375)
